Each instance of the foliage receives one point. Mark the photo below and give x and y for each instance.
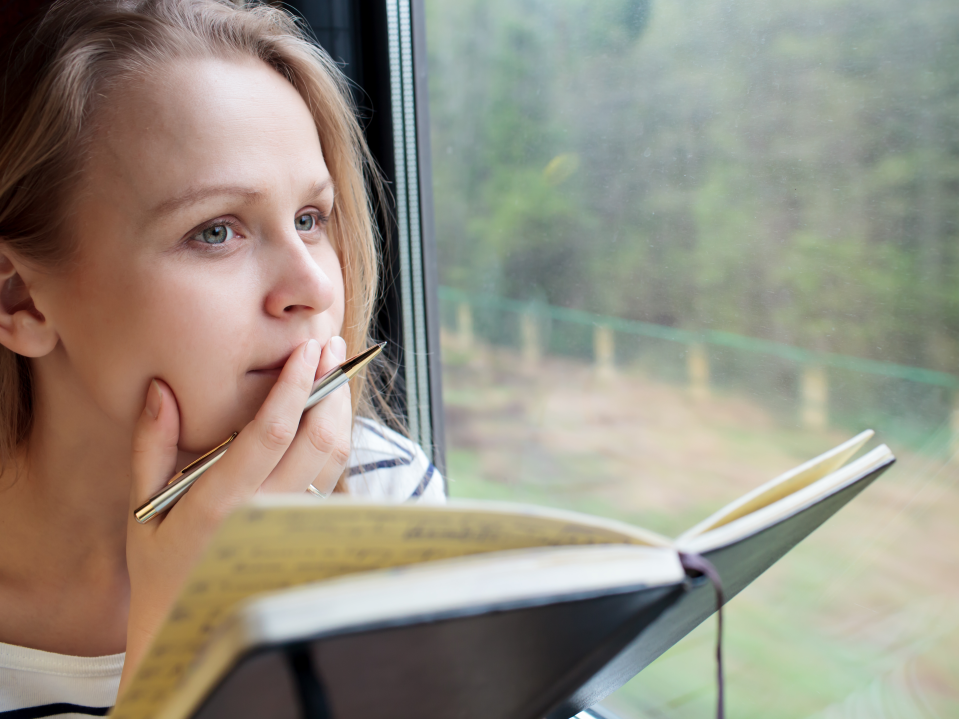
(787, 171)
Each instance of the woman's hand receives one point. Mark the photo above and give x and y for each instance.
(276, 452)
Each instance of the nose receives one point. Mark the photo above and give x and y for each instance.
(298, 284)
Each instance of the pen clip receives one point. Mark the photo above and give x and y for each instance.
(198, 460)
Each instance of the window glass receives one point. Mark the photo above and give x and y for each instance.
(685, 246)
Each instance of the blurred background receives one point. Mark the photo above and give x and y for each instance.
(684, 246)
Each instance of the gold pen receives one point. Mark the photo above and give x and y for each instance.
(182, 480)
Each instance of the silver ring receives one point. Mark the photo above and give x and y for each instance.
(313, 490)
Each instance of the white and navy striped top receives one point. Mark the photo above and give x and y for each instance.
(34, 684)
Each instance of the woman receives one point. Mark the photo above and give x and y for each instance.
(185, 244)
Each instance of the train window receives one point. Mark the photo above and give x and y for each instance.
(683, 246)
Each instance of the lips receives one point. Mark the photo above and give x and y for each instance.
(273, 368)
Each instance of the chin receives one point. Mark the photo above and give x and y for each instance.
(200, 443)
(201, 435)
(207, 422)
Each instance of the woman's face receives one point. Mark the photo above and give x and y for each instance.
(204, 258)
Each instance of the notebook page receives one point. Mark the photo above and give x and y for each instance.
(746, 526)
(282, 542)
(782, 486)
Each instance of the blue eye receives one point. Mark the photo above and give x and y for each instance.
(305, 223)
(215, 234)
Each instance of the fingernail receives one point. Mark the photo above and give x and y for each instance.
(312, 352)
(338, 347)
(154, 399)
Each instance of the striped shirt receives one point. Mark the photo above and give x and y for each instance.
(33, 684)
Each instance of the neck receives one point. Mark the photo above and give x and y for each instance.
(76, 470)
(63, 510)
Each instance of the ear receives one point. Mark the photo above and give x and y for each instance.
(23, 328)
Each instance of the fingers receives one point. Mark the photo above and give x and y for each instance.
(321, 448)
(339, 454)
(276, 452)
(259, 447)
(333, 354)
(154, 442)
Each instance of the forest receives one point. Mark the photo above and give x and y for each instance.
(787, 171)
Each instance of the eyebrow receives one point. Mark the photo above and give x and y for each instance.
(198, 194)
(321, 186)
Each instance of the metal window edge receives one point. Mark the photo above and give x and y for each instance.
(415, 229)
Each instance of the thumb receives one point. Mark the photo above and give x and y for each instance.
(155, 440)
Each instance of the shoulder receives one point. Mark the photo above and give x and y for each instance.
(386, 465)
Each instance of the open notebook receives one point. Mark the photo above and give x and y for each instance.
(352, 610)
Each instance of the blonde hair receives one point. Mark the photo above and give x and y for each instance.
(52, 86)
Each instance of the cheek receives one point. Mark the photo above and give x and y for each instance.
(327, 259)
(206, 335)
(103, 321)
(195, 328)
(193, 333)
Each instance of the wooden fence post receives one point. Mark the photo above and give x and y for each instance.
(815, 397)
(954, 420)
(697, 367)
(464, 326)
(529, 330)
(604, 351)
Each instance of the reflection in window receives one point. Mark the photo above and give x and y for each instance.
(686, 245)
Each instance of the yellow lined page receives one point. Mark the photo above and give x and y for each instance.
(282, 542)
